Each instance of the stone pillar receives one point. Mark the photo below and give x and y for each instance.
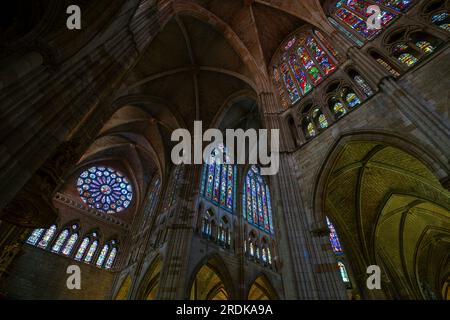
(173, 280)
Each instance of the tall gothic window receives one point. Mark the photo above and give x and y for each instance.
(354, 14)
(219, 180)
(256, 204)
(334, 239)
(307, 59)
(47, 238)
(105, 189)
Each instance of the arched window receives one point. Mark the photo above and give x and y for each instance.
(91, 251)
(104, 189)
(442, 20)
(102, 256)
(409, 48)
(337, 107)
(70, 244)
(82, 249)
(334, 239)
(60, 241)
(350, 97)
(361, 83)
(35, 236)
(218, 182)
(257, 209)
(172, 188)
(353, 15)
(343, 272)
(319, 119)
(307, 59)
(47, 238)
(111, 258)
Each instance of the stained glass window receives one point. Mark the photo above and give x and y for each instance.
(60, 241)
(111, 258)
(354, 14)
(258, 210)
(320, 118)
(343, 272)
(306, 61)
(105, 189)
(334, 239)
(48, 236)
(398, 5)
(219, 180)
(35, 236)
(425, 46)
(442, 20)
(311, 131)
(402, 51)
(82, 249)
(70, 244)
(352, 100)
(339, 109)
(102, 256)
(91, 251)
(363, 85)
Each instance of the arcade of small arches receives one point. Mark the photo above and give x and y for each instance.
(363, 179)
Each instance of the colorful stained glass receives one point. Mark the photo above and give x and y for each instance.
(334, 239)
(35, 236)
(269, 256)
(105, 189)
(442, 20)
(111, 258)
(300, 76)
(48, 236)
(60, 241)
(354, 13)
(425, 46)
(349, 35)
(343, 272)
(91, 251)
(309, 66)
(339, 109)
(82, 249)
(257, 207)
(408, 59)
(70, 244)
(218, 181)
(289, 84)
(102, 256)
(311, 131)
(321, 57)
(352, 100)
(320, 118)
(398, 5)
(304, 65)
(363, 85)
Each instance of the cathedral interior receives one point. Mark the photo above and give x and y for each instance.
(86, 172)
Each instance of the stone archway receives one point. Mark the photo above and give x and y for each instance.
(149, 286)
(262, 289)
(385, 204)
(211, 281)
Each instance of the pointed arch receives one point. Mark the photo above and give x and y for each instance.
(211, 280)
(149, 285)
(262, 289)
